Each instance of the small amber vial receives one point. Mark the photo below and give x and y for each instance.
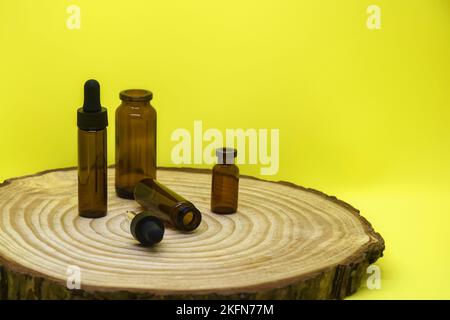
(225, 182)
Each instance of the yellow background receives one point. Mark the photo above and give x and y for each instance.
(363, 114)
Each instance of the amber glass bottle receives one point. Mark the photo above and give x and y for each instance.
(135, 141)
(225, 182)
(92, 120)
(167, 205)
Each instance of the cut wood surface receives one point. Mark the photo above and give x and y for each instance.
(285, 242)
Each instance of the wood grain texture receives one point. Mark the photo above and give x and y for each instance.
(285, 242)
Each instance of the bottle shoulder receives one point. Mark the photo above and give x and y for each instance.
(92, 132)
(230, 169)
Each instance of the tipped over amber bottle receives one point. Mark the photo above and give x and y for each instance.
(167, 205)
(225, 182)
(135, 141)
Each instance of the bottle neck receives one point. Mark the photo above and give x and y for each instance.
(135, 104)
(185, 216)
(225, 160)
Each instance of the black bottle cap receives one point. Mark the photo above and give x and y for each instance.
(147, 228)
(92, 116)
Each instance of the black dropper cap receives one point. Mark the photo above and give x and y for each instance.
(147, 228)
(92, 116)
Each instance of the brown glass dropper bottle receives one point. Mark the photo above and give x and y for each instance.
(167, 205)
(92, 120)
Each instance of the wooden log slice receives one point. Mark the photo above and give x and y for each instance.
(285, 242)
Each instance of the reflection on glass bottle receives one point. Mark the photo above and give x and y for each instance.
(92, 120)
(167, 205)
(135, 141)
(225, 182)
